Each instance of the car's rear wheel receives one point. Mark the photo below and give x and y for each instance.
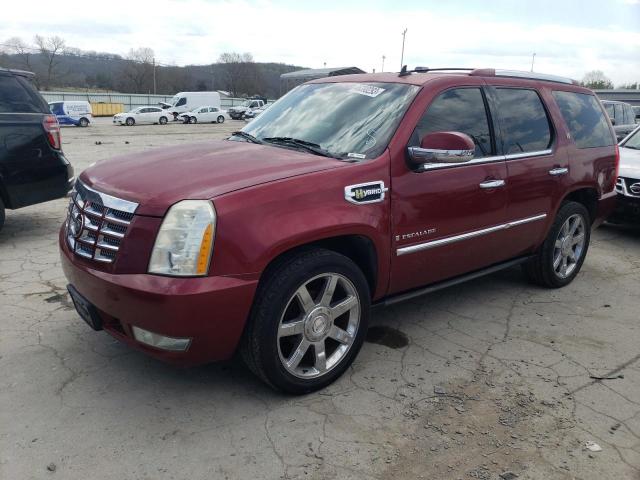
(308, 321)
(130, 121)
(1, 214)
(220, 119)
(84, 122)
(193, 120)
(163, 120)
(563, 252)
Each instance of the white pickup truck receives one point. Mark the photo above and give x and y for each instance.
(238, 112)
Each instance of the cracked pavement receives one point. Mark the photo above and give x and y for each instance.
(495, 376)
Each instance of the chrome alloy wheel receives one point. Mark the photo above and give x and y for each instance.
(319, 325)
(569, 246)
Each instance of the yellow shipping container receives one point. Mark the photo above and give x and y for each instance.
(106, 109)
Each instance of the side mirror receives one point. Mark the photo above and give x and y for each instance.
(443, 147)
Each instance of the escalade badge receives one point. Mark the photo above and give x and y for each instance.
(370, 192)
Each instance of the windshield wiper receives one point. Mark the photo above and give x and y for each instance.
(247, 136)
(296, 142)
(629, 146)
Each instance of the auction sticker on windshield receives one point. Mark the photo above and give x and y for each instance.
(368, 90)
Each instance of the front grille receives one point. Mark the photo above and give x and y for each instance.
(97, 223)
(628, 186)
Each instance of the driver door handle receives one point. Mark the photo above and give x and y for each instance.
(558, 171)
(492, 184)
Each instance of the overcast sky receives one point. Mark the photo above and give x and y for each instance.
(569, 37)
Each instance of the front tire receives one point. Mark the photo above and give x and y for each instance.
(220, 119)
(1, 214)
(84, 122)
(308, 321)
(163, 120)
(130, 122)
(563, 252)
(193, 120)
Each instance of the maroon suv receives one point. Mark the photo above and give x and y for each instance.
(347, 192)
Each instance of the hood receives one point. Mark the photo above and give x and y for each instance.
(156, 179)
(629, 163)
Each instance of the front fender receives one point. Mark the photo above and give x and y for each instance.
(257, 224)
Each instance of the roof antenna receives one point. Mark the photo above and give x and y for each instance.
(403, 71)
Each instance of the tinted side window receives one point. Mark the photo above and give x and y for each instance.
(460, 110)
(619, 117)
(584, 117)
(18, 96)
(525, 125)
(629, 118)
(609, 108)
(182, 101)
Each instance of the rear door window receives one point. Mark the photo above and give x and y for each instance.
(629, 118)
(585, 119)
(618, 115)
(18, 95)
(524, 121)
(458, 110)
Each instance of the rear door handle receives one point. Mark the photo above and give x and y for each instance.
(492, 184)
(558, 171)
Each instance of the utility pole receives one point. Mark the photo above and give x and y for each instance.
(382, 69)
(154, 75)
(533, 59)
(404, 34)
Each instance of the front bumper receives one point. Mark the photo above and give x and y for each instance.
(211, 311)
(627, 209)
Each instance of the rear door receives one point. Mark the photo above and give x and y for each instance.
(447, 218)
(537, 164)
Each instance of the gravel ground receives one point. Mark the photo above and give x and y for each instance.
(491, 379)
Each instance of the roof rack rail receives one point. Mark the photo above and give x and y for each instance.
(405, 72)
(488, 72)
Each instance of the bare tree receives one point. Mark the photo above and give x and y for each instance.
(51, 48)
(138, 71)
(17, 47)
(240, 73)
(596, 79)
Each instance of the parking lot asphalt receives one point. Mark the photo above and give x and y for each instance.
(493, 377)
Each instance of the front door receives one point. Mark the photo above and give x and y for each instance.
(448, 219)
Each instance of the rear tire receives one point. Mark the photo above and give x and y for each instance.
(220, 119)
(84, 122)
(563, 252)
(308, 321)
(1, 214)
(130, 122)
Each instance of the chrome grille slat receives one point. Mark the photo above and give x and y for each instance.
(97, 223)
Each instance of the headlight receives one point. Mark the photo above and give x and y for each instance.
(185, 240)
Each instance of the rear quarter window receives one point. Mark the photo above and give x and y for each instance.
(585, 119)
(18, 95)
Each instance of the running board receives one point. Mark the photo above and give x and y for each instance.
(401, 297)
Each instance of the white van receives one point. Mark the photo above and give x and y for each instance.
(188, 101)
(72, 112)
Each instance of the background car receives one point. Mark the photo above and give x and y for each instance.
(251, 114)
(205, 114)
(636, 110)
(622, 117)
(628, 185)
(72, 112)
(33, 168)
(142, 115)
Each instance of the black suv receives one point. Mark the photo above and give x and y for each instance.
(33, 168)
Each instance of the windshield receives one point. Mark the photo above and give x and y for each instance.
(348, 120)
(633, 141)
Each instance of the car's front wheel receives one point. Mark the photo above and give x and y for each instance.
(163, 120)
(308, 321)
(84, 122)
(193, 120)
(1, 214)
(563, 252)
(220, 119)
(130, 121)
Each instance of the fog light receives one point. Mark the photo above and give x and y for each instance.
(160, 341)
